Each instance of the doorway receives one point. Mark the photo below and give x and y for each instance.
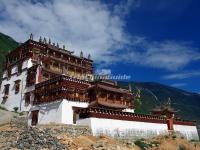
(34, 117)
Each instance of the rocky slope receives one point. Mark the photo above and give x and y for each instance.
(17, 135)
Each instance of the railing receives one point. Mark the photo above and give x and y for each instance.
(119, 115)
(114, 101)
(184, 122)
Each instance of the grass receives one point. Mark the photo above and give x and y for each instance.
(2, 108)
(15, 109)
(140, 143)
(174, 137)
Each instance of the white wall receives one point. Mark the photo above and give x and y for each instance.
(18, 99)
(134, 129)
(129, 110)
(122, 128)
(190, 132)
(50, 113)
(59, 112)
(67, 110)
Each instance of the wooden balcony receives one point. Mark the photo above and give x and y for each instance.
(61, 87)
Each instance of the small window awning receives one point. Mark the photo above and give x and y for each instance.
(18, 80)
(100, 103)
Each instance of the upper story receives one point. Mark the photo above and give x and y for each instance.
(101, 94)
(51, 73)
(107, 94)
(54, 60)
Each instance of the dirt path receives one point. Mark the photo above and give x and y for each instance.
(5, 116)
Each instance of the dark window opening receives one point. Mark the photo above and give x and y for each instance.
(27, 98)
(17, 86)
(6, 89)
(9, 72)
(4, 100)
(19, 68)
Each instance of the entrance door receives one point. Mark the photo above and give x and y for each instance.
(34, 117)
(170, 124)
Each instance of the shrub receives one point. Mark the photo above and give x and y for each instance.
(182, 137)
(181, 147)
(193, 140)
(174, 137)
(166, 136)
(141, 144)
(15, 109)
(21, 113)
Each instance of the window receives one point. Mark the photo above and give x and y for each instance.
(27, 98)
(6, 89)
(9, 72)
(17, 86)
(19, 68)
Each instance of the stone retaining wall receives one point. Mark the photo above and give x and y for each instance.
(71, 130)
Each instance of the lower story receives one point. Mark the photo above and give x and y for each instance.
(113, 123)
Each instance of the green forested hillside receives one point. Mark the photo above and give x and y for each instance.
(152, 94)
(6, 44)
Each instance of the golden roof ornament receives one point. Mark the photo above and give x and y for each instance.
(49, 41)
(31, 36)
(40, 40)
(89, 56)
(81, 54)
(44, 40)
(129, 87)
(169, 102)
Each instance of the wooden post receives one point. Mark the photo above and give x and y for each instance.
(106, 96)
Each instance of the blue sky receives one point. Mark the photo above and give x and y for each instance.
(161, 20)
(156, 40)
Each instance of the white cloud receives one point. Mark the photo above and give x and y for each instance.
(182, 75)
(125, 7)
(81, 24)
(179, 84)
(92, 27)
(103, 71)
(170, 55)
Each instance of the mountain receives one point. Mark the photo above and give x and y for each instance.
(152, 94)
(6, 44)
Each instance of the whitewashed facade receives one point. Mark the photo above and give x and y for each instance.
(190, 132)
(16, 99)
(122, 128)
(135, 129)
(60, 112)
